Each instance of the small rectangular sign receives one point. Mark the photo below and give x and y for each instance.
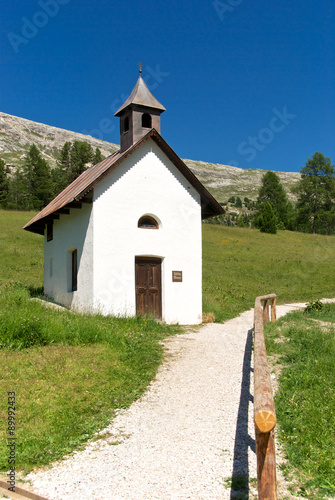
(177, 276)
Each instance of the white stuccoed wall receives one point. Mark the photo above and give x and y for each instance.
(69, 232)
(107, 239)
(147, 183)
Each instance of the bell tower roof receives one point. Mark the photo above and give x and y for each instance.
(141, 96)
(140, 113)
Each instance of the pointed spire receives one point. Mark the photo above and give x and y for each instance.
(141, 96)
(140, 113)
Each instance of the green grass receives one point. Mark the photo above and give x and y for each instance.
(305, 400)
(239, 264)
(69, 373)
(21, 252)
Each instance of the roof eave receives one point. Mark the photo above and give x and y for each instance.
(37, 229)
(121, 110)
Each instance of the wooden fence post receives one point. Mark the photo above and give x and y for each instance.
(266, 311)
(273, 309)
(266, 465)
(264, 408)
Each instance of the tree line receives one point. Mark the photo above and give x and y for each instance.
(314, 211)
(35, 184)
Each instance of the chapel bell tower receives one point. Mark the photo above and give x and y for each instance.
(140, 113)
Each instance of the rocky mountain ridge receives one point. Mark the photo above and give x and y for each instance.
(17, 134)
(223, 181)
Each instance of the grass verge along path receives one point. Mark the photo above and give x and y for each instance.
(304, 344)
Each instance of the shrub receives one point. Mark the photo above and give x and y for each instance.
(314, 306)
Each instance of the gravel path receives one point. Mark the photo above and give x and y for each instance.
(189, 432)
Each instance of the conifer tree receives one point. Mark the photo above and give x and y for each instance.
(62, 171)
(97, 157)
(81, 153)
(273, 192)
(316, 196)
(73, 160)
(17, 191)
(240, 222)
(268, 219)
(37, 180)
(238, 202)
(4, 184)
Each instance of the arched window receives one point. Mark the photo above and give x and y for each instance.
(147, 222)
(126, 124)
(146, 120)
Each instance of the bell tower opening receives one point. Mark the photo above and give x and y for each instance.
(146, 120)
(126, 124)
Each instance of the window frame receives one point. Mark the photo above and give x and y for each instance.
(150, 218)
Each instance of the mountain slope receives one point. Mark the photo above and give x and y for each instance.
(17, 134)
(223, 181)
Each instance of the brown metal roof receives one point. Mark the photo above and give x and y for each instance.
(141, 96)
(76, 192)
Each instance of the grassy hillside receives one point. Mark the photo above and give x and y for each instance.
(238, 264)
(21, 252)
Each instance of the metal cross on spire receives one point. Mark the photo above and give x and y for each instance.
(140, 66)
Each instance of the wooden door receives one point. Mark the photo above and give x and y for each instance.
(148, 286)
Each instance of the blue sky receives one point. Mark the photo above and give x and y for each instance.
(251, 84)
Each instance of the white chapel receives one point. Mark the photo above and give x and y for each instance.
(124, 238)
